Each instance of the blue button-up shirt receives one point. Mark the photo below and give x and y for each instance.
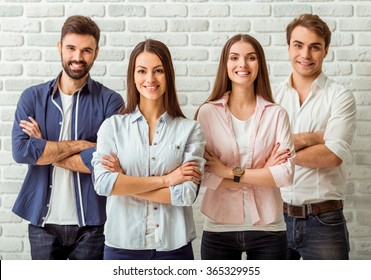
(91, 106)
(176, 141)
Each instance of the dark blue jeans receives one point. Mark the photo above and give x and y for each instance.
(183, 253)
(56, 242)
(321, 237)
(258, 245)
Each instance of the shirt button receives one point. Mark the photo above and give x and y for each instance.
(160, 120)
(60, 123)
(155, 208)
(153, 158)
(155, 143)
(157, 225)
(153, 175)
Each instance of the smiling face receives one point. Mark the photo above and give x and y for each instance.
(242, 65)
(149, 76)
(307, 52)
(78, 53)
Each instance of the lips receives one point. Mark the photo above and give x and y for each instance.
(77, 66)
(243, 73)
(152, 88)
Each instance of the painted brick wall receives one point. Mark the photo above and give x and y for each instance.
(195, 31)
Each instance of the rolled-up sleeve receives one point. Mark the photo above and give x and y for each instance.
(25, 149)
(185, 194)
(283, 174)
(341, 124)
(103, 178)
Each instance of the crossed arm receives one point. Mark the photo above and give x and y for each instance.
(64, 154)
(312, 152)
(154, 188)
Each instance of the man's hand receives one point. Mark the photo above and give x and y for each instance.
(31, 128)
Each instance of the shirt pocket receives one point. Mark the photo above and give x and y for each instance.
(173, 156)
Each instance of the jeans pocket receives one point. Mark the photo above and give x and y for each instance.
(334, 218)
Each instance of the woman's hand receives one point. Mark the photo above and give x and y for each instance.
(188, 171)
(214, 165)
(112, 163)
(278, 157)
(31, 128)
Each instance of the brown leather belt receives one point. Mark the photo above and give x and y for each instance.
(307, 210)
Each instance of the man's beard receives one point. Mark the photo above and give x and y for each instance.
(76, 74)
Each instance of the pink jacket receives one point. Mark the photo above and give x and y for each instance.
(270, 125)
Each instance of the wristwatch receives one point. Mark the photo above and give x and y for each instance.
(238, 172)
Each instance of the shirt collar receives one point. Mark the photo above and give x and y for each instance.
(137, 115)
(319, 82)
(261, 103)
(55, 83)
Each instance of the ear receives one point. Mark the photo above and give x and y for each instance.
(326, 51)
(96, 53)
(59, 45)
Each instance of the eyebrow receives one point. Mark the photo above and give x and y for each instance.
(312, 44)
(239, 54)
(158, 66)
(87, 48)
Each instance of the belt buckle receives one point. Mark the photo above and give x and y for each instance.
(290, 212)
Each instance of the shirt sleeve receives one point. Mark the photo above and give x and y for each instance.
(103, 178)
(341, 124)
(186, 193)
(209, 180)
(283, 174)
(25, 149)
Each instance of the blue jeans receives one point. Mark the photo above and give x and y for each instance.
(321, 237)
(183, 253)
(258, 245)
(57, 242)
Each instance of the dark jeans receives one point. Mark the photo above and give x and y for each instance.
(321, 237)
(183, 253)
(258, 245)
(57, 242)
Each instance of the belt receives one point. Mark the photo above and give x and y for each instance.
(313, 209)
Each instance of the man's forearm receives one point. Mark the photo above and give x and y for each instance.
(56, 151)
(307, 139)
(73, 163)
(318, 156)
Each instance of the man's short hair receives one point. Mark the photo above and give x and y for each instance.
(81, 25)
(312, 22)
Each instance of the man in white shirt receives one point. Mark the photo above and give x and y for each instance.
(322, 115)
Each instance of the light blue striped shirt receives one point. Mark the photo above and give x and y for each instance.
(176, 141)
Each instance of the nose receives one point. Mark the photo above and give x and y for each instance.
(150, 77)
(77, 55)
(243, 63)
(305, 53)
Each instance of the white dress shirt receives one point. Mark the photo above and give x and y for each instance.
(330, 108)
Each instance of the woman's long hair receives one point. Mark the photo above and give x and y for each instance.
(222, 82)
(133, 97)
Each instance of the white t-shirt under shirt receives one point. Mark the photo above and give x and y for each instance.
(63, 210)
(241, 130)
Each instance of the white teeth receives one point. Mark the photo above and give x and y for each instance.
(242, 73)
(151, 88)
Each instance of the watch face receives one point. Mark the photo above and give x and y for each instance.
(238, 170)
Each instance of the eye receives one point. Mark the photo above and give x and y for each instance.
(298, 46)
(251, 58)
(233, 57)
(160, 70)
(316, 48)
(88, 51)
(141, 71)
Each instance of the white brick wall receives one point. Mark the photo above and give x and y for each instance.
(195, 31)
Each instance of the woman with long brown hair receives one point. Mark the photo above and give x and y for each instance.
(160, 154)
(249, 156)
